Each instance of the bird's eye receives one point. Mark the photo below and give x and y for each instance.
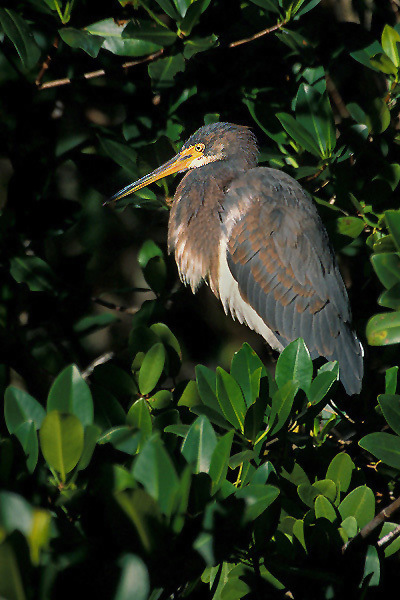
(199, 147)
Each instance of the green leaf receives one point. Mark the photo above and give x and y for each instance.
(152, 368)
(207, 385)
(11, 583)
(254, 420)
(257, 499)
(360, 504)
(384, 329)
(363, 55)
(149, 31)
(299, 133)
(61, 441)
(325, 487)
(350, 226)
(122, 154)
(230, 399)
(220, 460)
(18, 31)
(190, 396)
(295, 364)
(139, 417)
(91, 436)
(20, 407)
(340, 471)
(387, 267)
(192, 16)
(162, 399)
(321, 385)
(387, 528)
(324, 509)
(163, 70)
(15, 513)
(391, 380)
(115, 43)
(196, 45)
(199, 444)
(282, 402)
(134, 575)
(391, 298)
(349, 525)
(123, 438)
(33, 271)
(385, 446)
(71, 394)
(392, 218)
(390, 39)
(154, 469)
(27, 436)
(383, 63)
(372, 568)
(168, 8)
(390, 405)
(76, 38)
(314, 113)
(247, 369)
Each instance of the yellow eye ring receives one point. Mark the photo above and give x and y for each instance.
(199, 147)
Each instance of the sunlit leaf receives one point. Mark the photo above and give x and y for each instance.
(61, 441)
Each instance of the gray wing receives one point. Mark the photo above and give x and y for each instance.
(279, 253)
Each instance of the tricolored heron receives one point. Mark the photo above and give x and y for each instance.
(255, 237)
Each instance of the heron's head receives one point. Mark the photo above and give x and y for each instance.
(211, 143)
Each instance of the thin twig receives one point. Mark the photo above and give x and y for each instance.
(258, 35)
(100, 72)
(366, 531)
(47, 61)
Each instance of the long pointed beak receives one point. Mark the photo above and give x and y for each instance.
(180, 162)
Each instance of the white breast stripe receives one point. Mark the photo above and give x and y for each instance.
(234, 303)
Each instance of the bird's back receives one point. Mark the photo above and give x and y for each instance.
(277, 251)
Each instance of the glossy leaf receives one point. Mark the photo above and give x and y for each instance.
(15, 513)
(122, 154)
(282, 402)
(192, 16)
(383, 329)
(27, 436)
(164, 70)
(207, 385)
(254, 420)
(385, 446)
(111, 31)
(299, 133)
(156, 472)
(20, 407)
(168, 8)
(220, 460)
(61, 441)
(18, 31)
(340, 471)
(387, 267)
(151, 369)
(390, 405)
(195, 45)
(199, 444)
(360, 504)
(372, 568)
(91, 436)
(77, 38)
(123, 438)
(391, 298)
(392, 218)
(322, 384)
(294, 364)
(391, 380)
(351, 226)
(190, 396)
(314, 113)
(387, 528)
(71, 394)
(324, 509)
(390, 40)
(230, 399)
(149, 31)
(257, 499)
(247, 369)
